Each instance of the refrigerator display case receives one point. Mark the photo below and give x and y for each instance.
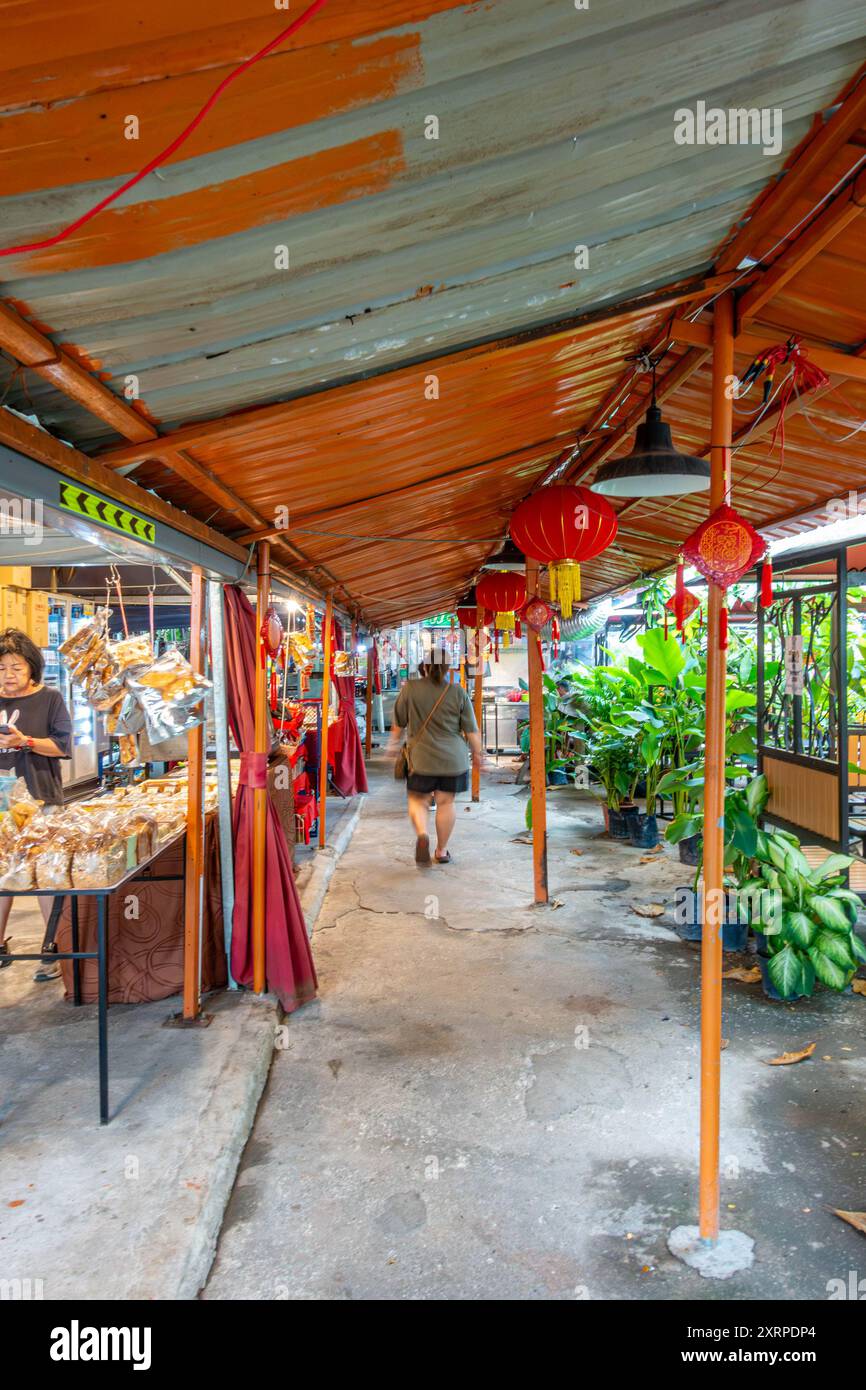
(66, 616)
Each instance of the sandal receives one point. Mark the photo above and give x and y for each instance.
(444, 858)
(49, 968)
(5, 958)
(422, 849)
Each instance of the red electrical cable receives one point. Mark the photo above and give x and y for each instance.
(176, 142)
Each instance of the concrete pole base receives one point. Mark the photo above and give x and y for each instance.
(732, 1252)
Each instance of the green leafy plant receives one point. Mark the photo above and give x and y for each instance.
(807, 916)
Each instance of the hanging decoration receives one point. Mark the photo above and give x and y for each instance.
(270, 634)
(801, 377)
(536, 613)
(560, 526)
(681, 604)
(724, 547)
(767, 581)
(554, 631)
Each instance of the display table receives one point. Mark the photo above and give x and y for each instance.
(92, 916)
(146, 958)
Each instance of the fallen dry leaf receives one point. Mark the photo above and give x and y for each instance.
(647, 909)
(859, 986)
(648, 859)
(521, 840)
(724, 1043)
(577, 851)
(18, 1203)
(748, 976)
(787, 1059)
(857, 1219)
(556, 902)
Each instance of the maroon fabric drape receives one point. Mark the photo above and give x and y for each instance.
(349, 772)
(290, 971)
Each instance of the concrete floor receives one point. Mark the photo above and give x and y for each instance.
(495, 1101)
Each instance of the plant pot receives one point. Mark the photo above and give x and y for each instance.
(644, 831)
(691, 849)
(619, 823)
(734, 934)
(763, 958)
(769, 988)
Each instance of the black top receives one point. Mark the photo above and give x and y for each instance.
(40, 715)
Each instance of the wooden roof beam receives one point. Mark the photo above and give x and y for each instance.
(844, 124)
(838, 215)
(749, 344)
(33, 350)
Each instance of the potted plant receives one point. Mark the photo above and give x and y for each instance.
(614, 761)
(804, 918)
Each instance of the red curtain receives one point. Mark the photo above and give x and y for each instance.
(289, 962)
(350, 774)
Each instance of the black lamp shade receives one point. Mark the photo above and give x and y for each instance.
(654, 468)
(509, 558)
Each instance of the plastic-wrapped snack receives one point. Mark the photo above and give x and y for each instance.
(128, 718)
(52, 867)
(22, 805)
(131, 653)
(170, 694)
(100, 863)
(128, 749)
(17, 873)
(79, 643)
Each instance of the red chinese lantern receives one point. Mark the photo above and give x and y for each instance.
(681, 604)
(559, 526)
(503, 591)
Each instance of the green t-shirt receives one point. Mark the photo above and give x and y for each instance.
(441, 749)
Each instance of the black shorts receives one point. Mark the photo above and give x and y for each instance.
(426, 782)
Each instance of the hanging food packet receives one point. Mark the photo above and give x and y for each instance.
(128, 718)
(171, 695)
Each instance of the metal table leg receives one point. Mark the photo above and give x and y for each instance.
(102, 947)
(76, 964)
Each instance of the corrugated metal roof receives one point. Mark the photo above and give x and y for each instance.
(555, 130)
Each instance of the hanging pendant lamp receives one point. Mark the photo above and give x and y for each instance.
(654, 468)
(508, 558)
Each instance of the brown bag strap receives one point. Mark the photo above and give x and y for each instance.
(414, 739)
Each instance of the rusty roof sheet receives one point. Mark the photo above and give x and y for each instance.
(555, 130)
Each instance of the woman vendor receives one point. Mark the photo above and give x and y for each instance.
(35, 733)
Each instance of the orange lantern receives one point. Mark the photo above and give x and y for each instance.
(559, 526)
(503, 591)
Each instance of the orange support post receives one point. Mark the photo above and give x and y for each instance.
(327, 644)
(479, 696)
(537, 761)
(260, 794)
(194, 850)
(368, 731)
(721, 430)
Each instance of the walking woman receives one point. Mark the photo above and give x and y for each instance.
(436, 715)
(35, 733)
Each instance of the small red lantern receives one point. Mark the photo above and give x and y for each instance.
(559, 526)
(724, 547)
(682, 605)
(504, 592)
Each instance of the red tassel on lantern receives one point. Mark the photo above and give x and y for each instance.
(541, 653)
(723, 630)
(496, 644)
(518, 628)
(767, 583)
(680, 596)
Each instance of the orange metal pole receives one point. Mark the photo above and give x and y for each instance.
(194, 849)
(537, 761)
(368, 733)
(326, 704)
(479, 696)
(721, 431)
(260, 794)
